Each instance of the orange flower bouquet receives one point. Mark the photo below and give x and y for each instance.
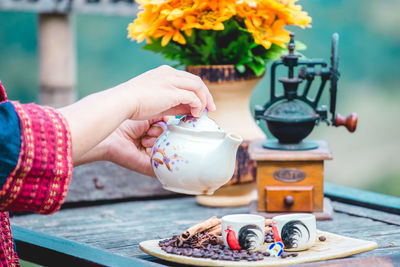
(245, 33)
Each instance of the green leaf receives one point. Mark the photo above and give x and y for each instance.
(240, 68)
(260, 60)
(258, 69)
(233, 45)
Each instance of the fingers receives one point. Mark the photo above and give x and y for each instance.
(178, 110)
(189, 81)
(167, 118)
(148, 141)
(192, 85)
(210, 103)
(191, 99)
(167, 91)
(155, 131)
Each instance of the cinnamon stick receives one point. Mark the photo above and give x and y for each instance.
(216, 239)
(216, 230)
(200, 227)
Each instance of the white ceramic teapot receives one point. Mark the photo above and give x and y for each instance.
(194, 155)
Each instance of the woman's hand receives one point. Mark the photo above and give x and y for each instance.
(158, 92)
(167, 91)
(128, 146)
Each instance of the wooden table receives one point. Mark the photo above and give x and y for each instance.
(109, 233)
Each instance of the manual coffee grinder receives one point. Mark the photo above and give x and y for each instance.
(290, 169)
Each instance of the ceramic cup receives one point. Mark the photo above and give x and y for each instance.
(298, 230)
(243, 231)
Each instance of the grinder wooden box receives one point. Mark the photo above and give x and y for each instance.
(290, 181)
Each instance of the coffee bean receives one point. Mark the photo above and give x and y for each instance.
(270, 225)
(196, 254)
(267, 254)
(284, 255)
(237, 258)
(214, 257)
(207, 255)
(169, 249)
(270, 233)
(174, 251)
(226, 258)
(294, 254)
(322, 238)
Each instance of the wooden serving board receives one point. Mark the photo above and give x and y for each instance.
(335, 246)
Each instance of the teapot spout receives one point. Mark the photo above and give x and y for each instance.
(228, 149)
(231, 143)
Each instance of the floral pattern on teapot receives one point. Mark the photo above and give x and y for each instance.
(189, 120)
(159, 155)
(194, 155)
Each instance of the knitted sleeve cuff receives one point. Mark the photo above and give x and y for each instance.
(41, 178)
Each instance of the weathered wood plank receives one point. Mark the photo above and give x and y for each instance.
(362, 198)
(105, 7)
(119, 228)
(100, 181)
(74, 249)
(368, 213)
(351, 262)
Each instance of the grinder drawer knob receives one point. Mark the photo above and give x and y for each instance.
(289, 200)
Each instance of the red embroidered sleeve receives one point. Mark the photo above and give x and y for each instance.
(41, 178)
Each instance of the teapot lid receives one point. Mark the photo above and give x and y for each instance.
(203, 123)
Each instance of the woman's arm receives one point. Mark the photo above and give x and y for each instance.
(159, 92)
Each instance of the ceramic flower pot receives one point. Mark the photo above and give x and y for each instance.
(231, 91)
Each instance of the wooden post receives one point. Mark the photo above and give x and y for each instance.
(56, 60)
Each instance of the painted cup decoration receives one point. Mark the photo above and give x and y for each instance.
(297, 231)
(276, 248)
(243, 231)
(194, 155)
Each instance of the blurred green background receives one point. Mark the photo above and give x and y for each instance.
(369, 65)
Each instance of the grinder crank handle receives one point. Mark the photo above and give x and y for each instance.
(350, 122)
